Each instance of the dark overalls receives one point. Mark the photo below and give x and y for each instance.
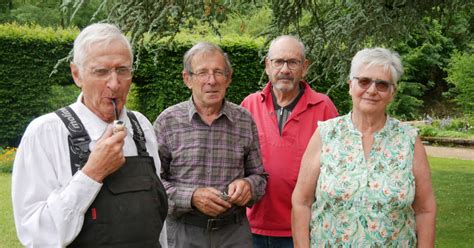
(132, 205)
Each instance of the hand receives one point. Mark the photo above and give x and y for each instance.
(240, 192)
(207, 201)
(107, 155)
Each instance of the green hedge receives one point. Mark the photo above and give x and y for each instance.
(161, 85)
(28, 54)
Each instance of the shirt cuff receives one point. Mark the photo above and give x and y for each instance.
(86, 189)
(186, 198)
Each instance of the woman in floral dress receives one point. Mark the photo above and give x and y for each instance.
(365, 179)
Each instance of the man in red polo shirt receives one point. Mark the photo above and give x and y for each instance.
(286, 111)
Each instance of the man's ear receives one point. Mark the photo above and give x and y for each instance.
(186, 79)
(267, 66)
(229, 79)
(76, 75)
(305, 67)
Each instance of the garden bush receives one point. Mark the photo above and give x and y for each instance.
(28, 89)
(158, 80)
(427, 131)
(28, 54)
(7, 155)
(461, 75)
(448, 127)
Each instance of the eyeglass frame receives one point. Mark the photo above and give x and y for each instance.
(286, 61)
(108, 74)
(207, 74)
(376, 81)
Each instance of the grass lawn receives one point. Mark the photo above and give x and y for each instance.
(8, 237)
(452, 180)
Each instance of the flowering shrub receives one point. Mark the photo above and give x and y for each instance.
(7, 155)
(447, 127)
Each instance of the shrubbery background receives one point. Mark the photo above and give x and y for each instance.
(28, 89)
(28, 55)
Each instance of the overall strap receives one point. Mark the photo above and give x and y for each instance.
(138, 135)
(78, 138)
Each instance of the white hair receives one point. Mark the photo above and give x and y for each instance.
(204, 47)
(377, 56)
(102, 33)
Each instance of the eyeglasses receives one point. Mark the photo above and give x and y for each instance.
(292, 64)
(204, 76)
(380, 85)
(123, 72)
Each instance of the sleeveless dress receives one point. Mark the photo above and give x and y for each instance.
(359, 202)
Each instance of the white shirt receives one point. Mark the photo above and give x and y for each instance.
(48, 202)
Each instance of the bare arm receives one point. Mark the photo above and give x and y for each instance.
(303, 195)
(424, 204)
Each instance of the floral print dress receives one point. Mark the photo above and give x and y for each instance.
(359, 202)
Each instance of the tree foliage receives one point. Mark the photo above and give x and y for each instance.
(333, 32)
(425, 52)
(52, 13)
(158, 19)
(461, 75)
(27, 55)
(331, 29)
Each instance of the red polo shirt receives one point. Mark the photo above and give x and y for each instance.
(271, 216)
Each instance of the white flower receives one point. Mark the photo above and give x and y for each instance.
(325, 224)
(373, 226)
(344, 177)
(393, 216)
(324, 187)
(346, 196)
(374, 185)
(402, 194)
(343, 218)
(345, 237)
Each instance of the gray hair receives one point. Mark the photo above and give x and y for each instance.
(378, 56)
(103, 33)
(288, 37)
(204, 47)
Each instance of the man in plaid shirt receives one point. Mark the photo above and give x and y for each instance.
(210, 157)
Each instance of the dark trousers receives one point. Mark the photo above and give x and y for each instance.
(260, 241)
(182, 235)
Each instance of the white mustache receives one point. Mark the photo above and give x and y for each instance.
(285, 77)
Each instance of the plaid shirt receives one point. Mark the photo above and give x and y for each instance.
(194, 154)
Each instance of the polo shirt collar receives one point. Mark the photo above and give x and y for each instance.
(225, 110)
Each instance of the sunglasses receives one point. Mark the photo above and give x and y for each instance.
(380, 85)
